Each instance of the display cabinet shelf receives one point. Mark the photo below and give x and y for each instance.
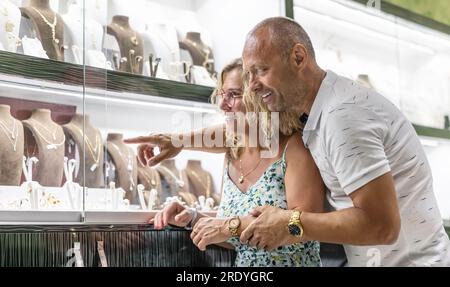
(76, 75)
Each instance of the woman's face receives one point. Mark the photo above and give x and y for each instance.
(230, 99)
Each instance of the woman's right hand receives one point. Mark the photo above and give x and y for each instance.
(147, 144)
(175, 214)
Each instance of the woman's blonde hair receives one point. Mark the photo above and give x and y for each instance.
(236, 64)
(288, 121)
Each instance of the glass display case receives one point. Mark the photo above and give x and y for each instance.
(79, 76)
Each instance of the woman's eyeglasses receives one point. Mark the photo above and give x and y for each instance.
(229, 96)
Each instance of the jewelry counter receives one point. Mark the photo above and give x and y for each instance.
(86, 245)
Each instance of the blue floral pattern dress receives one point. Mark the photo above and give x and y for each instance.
(268, 190)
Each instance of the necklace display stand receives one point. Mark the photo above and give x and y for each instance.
(87, 141)
(160, 40)
(174, 182)
(201, 54)
(89, 39)
(151, 180)
(200, 181)
(49, 27)
(11, 148)
(130, 45)
(48, 139)
(125, 162)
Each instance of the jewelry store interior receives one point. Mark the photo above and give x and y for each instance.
(79, 76)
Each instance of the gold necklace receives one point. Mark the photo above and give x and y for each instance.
(207, 187)
(94, 151)
(150, 178)
(9, 26)
(205, 52)
(179, 181)
(50, 145)
(53, 133)
(14, 133)
(242, 176)
(51, 25)
(133, 39)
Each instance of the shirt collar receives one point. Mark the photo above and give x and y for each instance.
(316, 110)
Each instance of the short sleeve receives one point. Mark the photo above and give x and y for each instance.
(354, 139)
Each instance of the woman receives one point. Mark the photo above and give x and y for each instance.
(289, 180)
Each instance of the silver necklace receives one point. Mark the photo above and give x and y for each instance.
(14, 133)
(50, 145)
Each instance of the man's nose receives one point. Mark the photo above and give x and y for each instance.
(254, 84)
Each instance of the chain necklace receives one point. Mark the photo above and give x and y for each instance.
(150, 178)
(134, 40)
(94, 151)
(14, 133)
(207, 187)
(179, 181)
(242, 176)
(205, 52)
(129, 161)
(51, 25)
(50, 145)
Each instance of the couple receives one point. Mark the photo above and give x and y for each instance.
(376, 173)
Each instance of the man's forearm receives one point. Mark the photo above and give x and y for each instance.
(349, 226)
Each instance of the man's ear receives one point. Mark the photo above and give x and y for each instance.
(299, 54)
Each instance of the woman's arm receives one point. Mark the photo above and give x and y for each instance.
(305, 189)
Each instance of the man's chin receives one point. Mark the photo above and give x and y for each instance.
(273, 108)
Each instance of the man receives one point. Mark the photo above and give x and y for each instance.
(368, 154)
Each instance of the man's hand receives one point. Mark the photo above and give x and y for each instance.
(209, 231)
(147, 145)
(269, 230)
(174, 213)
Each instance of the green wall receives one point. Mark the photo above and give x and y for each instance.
(438, 10)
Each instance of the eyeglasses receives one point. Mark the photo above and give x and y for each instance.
(230, 96)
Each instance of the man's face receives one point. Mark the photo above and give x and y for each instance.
(271, 77)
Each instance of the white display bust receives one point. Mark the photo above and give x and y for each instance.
(10, 16)
(160, 39)
(91, 40)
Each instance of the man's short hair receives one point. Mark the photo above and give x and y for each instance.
(284, 33)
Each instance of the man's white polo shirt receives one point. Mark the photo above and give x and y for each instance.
(355, 135)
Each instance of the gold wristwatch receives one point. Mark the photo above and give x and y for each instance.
(295, 225)
(233, 226)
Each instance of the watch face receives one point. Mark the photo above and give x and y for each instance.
(294, 230)
(234, 223)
